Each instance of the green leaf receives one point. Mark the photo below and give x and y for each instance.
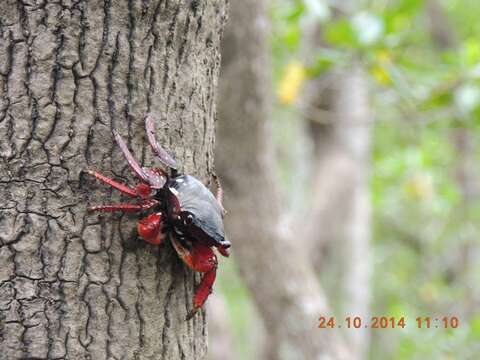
(340, 33)
(291, 37)
(324, 61)
(470, 53)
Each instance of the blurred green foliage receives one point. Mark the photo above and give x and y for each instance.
(423, 97)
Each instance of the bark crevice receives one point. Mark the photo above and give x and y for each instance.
(76, 285)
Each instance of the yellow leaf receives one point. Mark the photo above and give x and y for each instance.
(380, 75)
(419, 187)
(383, 57)
(291, 82)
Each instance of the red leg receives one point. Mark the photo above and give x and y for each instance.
(143, 190)
(219, 194)
(156, 177)
(125, 207)
(160, 152)
(117, 207)
(150, 229)
(200, 258)
(151, 176)
(137, 169)
(123, 188)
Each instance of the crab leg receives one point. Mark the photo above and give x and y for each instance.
(123, 188)
(219, 194)
(125, 207)
(200, 258)
(137, 169)
(160, 152)
(117, 207)
(154, 177)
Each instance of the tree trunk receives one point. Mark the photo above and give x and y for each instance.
(221, 343)
(269, 255)
(339, 233)
(75, 285)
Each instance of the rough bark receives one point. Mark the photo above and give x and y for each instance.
(269, 255)
(74, 285)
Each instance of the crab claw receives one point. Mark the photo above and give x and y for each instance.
(200, 258)
(202, 292)
(149, 228)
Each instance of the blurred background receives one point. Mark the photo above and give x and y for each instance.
(348, 146)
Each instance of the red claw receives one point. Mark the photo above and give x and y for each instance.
(200, 258)
(143, 190)
(203, 291)
(149, 229)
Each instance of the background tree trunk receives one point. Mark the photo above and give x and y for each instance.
(339, 231)
(74, 285)
(220, 334)
(270, 257)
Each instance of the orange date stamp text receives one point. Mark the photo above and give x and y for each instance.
(388, 322)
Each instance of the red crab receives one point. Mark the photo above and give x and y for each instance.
(179, 207)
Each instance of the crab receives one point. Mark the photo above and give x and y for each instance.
(178, 208)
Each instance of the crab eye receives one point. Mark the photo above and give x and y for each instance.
(188, 220)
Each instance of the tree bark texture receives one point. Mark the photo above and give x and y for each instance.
(269, 255)
(75, 285)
